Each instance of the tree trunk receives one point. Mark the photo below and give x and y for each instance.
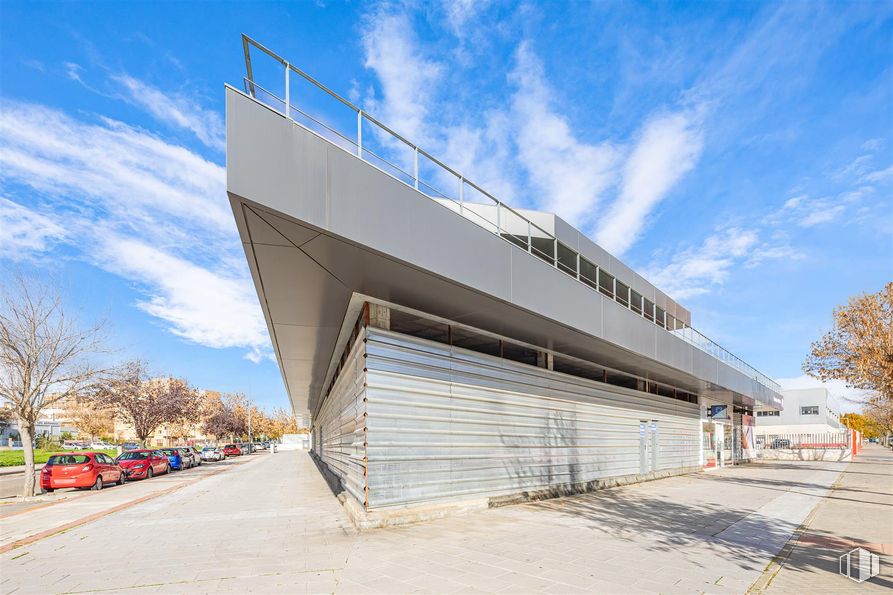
(26, 431)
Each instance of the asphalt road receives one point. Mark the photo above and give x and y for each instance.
(11, 485)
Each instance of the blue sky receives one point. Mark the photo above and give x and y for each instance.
(740, 155)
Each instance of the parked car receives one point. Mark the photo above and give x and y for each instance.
(143, 463)
(260, 446)
(231, 450)
(102, 446)
(212, 453)
(131, 445)
(781, 443)
(193, 453)
(177, 459)
(80, 470)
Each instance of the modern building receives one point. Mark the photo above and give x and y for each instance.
(806, 411)
(450, 347)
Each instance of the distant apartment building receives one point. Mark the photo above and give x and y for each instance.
(448, 346)
(806, 411)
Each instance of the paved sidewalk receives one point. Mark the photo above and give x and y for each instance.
(273, 526)
(858, 513)
(64, 509)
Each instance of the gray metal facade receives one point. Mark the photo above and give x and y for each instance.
(427, 422)
(321, 227)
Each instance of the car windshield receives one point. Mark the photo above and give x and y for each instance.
(170, 451)
(67, 460)
(230, 446)
(133, 456)
(208, 448)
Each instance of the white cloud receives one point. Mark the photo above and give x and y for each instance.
(127, 174)
(846, 399)
(25, 231)
(794, 202)
(668, 148)
(699, 269)
(73, 71)
(821, 215)
(857, 167)
(879, 176)
(461, 14)
(408, 80)
(151, 212)
(216, 309)
(570, 176)
(176, 111)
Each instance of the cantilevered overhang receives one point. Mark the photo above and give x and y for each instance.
(321, 226)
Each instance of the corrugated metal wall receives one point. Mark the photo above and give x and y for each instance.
(446, 423)
(339, 428)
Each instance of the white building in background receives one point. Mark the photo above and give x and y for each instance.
(806, 411)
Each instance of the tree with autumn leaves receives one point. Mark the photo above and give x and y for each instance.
(859, 351)
(146, 403)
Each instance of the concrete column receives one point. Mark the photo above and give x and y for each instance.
(544, 360)
(379, 316)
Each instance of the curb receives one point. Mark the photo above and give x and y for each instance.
(98, 515)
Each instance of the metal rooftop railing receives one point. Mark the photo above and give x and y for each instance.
(381, 147)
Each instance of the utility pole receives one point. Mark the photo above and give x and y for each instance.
(249, 429)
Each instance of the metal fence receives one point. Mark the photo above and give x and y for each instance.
(377, 144)
(807, 440)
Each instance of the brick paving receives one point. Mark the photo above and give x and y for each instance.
(857, 513)
(273, 526)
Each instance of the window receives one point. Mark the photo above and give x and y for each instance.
(671, 322)
(635, 301)
(649, 309)
(768, 413)
(588, 272)
(605, 283)
(543, 248)
(622, 293)
(811, 410)
(659, 316)
(67, 460)
(567, 260)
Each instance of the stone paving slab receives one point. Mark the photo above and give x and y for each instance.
(273, 526)
(857, 513)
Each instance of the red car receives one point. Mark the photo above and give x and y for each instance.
(231, 450)
(143, 463)
(80, 470)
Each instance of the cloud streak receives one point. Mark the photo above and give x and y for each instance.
(134, 205)
(175, 111)
(668, 148)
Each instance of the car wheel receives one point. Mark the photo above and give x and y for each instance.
(149, 473)
(98, 485)
(122, 479)
(49, 490)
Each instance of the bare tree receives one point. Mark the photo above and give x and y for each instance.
(44, 358)
(146, 403)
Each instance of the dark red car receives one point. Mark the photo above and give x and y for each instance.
(231, 450)
(80, 470)
(143, 463)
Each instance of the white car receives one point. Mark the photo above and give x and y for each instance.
(212, 453)
(102, 446)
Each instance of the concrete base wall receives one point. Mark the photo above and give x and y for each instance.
(804, 454)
